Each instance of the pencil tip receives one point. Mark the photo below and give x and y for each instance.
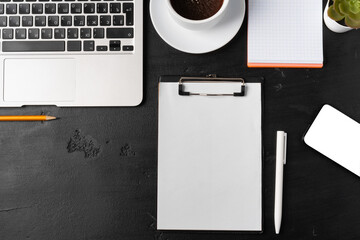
(48, 118)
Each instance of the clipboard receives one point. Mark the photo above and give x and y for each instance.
(210, 154)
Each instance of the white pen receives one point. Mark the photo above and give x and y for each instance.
(281, 140)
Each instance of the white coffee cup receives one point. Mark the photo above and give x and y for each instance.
(197, 25)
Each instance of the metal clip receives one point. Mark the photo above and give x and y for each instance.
(210, 78)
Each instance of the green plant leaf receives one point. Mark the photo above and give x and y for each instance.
(356, 17)
(333, 14)
(352, 23)
(336, 5)
(354, 9)
(346, 9)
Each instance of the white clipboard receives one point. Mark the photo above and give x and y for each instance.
(210, 154)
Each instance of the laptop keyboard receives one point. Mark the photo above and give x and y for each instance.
(68, 26)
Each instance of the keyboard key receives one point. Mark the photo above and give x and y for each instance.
(27, 21)
(72, 33)
(101, 48)
(37, 8)
(98, 33)
(50, 8)
(129, 11)
(59, 33)
(46, 33)
(74, 45)
(102, 7)
(89, 46)
(118, 20)
(11, 8)
(7, 33)
(33, 46)
(119, 32)
(24, 8)
(66, 20)
(63, 8)
(4, 0)
(92, 20)
(85, 33)
(1, 8)
(89, 7)
(115, 45)
(105, 20)
(79, 20)
(76, 7)
(53, 21)
(18, 0)
(115, 7)
(14, 21)
(33, 33)
(128, 48)
(20, 33)
(3, 21)
(40, 21)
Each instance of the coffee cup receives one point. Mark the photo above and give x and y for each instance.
(195, 19)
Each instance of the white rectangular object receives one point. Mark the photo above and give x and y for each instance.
(336, 136)
(209, 158)
(55, 80)
(285, 33)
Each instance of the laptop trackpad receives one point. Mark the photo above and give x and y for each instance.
(39, 80)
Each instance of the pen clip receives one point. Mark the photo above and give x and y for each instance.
(285, 147)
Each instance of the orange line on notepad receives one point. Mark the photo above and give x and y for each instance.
(284, 65)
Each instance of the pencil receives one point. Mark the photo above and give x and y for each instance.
(27, 118)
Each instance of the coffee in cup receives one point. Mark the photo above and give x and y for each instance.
(197, 14)
(196, 9)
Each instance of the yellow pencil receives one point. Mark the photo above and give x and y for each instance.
(27, 118)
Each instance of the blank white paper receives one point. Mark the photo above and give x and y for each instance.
(209, 159)
(285, 31)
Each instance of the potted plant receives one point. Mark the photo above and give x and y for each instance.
(342, 15)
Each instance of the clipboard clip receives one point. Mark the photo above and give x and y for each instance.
(210, 78)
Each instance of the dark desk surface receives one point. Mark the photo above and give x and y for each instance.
(47, 192)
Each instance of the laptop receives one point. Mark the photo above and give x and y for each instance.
(71, 53)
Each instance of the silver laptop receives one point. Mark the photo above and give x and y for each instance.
(71, 52)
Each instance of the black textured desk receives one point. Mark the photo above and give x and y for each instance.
(92, 174)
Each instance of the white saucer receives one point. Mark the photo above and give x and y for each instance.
(197, 41)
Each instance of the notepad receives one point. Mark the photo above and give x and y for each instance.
(284, 33)
(209, 158)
